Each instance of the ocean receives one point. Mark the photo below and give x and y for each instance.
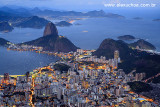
(88, 35)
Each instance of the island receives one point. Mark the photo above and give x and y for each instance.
(137, 18)
(142, 44)
(112, 15)
(156, 20)
(126, 37)
(63, 23)
(5, 27)
(78, 24)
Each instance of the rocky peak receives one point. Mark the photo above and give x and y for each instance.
(107, 43)
(50, 29)
(52, 42)
(109, 46)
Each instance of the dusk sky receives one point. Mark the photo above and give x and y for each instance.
(71, 4)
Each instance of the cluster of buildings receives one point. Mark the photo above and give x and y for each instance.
(24, 47)
(15, 91)
(86, 56)
(89, 81)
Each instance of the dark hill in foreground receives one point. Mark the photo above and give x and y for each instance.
(108, 46)
(131, 59)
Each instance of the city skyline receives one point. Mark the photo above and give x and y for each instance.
(88, 53)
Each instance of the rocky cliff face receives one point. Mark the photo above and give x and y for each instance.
(52, 42)
(50, 29)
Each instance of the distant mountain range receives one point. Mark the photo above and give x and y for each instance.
(94, 13)
(32, 18)
(23, 12)
(16, 12)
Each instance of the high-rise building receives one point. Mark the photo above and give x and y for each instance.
(80, 51)
(59, 93)
(139, 76)
(6, 76)
(116, 54)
